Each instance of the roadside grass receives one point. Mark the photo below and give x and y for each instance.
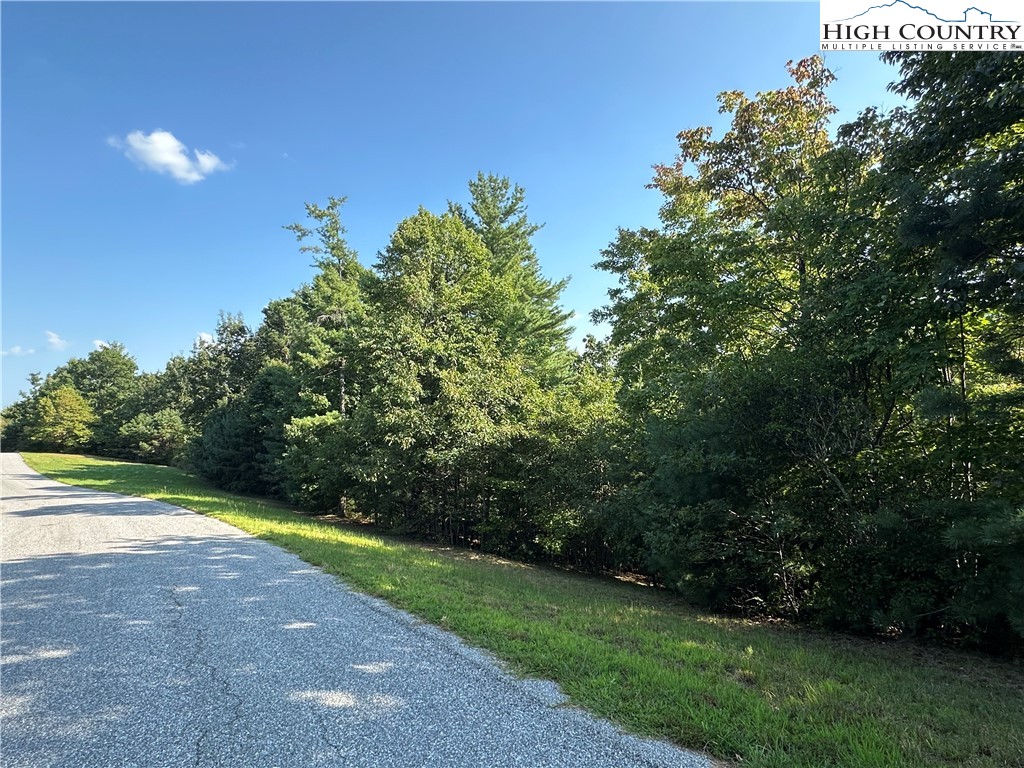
(747, 693)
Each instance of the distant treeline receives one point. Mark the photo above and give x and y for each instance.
(810, 403)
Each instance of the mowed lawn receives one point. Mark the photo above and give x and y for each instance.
(749, 694)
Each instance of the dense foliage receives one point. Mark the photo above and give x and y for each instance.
(820, 357)
(810, 403)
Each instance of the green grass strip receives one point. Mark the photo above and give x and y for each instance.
(754, 695)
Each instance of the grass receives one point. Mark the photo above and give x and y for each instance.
(747, 693)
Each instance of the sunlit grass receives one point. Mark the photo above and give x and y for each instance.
(756, 695)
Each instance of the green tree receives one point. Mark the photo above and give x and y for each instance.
(317, 330)
(711, 322)
(227, 449)
(107, 379)
(814, 357)
(214, 372)
(954, 176)
(529, 320)
(317, 464)
(16, 418)
(309, 366)
(158, 438)
(63, 420)
(243, 439)
(444, 395)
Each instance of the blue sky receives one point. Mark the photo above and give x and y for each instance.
(115, 232)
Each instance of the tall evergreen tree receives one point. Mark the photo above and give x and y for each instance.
(530, 320)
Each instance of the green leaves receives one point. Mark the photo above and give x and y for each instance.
(819, 352)
(158, 437)
(63, 420)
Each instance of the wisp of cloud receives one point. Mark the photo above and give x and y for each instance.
(162, 152)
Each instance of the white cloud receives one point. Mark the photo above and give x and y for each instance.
(100, 344)
(55, 341)
(17, 351)
(161, 151)
(204, 338)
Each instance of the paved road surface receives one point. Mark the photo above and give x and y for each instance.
(139, 634)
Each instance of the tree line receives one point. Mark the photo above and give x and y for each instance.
(809, 404)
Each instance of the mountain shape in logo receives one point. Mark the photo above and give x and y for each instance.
(902, 7)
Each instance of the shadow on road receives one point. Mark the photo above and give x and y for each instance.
(92, 504)
(193, 635)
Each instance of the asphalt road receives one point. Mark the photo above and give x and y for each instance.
(135, 633)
